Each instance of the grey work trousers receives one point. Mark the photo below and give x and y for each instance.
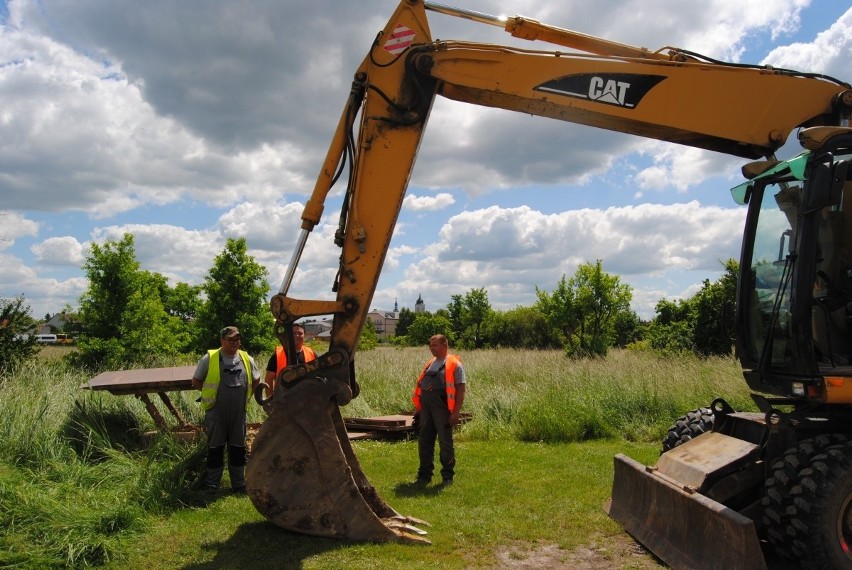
(435, 424)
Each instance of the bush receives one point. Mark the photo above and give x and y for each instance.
(17, 345)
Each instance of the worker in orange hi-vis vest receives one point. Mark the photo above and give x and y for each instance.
(278, 360)
(438, 398)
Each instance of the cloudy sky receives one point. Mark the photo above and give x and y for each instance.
(185, 123)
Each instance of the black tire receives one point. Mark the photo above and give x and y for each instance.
(686, 427)
(784, 476)
(820, 530)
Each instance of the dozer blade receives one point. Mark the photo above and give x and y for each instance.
(686, 530)
(303, 475)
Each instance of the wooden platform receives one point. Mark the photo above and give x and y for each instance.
(140, 382)
(381, 427)
(143, 380)
(386, 427)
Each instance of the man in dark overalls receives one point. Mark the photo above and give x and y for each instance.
(438, 399)
(227, 377)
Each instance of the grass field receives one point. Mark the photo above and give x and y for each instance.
(511, 503)
(80, 488)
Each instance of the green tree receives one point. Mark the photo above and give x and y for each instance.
(455, 312)
(627, 328)
(712, 311)
(406, 317)
(467, 314)
(122, 319)
(476, 310)
(146, 329)
(425, 325)
(702, 324)
(369, 338)
(601, 297)
(672, 330)
(183, 301)
(584, 308)
(560, 309)
(112, 270)
(18, 346)
(521, 327)
(236, 291)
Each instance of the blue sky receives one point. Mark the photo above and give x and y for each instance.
(188, 123)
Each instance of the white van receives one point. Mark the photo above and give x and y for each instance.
(46, 338)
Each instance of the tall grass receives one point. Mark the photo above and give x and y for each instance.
(542, 396)
(78, 479)
(75, 476)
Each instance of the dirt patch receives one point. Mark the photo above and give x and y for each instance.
(611, 553)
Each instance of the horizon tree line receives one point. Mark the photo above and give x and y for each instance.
(130, 317)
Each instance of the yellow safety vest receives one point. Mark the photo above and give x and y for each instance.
(211, 383)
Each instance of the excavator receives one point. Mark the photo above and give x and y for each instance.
(754, 486)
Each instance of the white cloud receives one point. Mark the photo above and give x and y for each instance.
(178, 253)
(65, 250)
(79, 135)
(830, 53)
(392, 260)
(514, 250)
(716, 28)
(41, 294)
(268, 227)
(15, 225)
(428, 203)
(682, 168)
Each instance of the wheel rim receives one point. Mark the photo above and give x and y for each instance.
(844, 526)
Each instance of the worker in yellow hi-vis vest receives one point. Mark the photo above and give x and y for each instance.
(227, 378)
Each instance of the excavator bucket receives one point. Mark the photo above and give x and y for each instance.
(303, 475)
(684, 528)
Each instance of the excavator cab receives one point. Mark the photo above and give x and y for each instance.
(795, 294)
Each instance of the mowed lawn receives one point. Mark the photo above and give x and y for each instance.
(512, 504)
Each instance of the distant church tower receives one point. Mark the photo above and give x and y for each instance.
(420, 306)
(395, 309)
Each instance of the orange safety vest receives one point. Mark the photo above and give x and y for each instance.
(281, 357)
(450, 364)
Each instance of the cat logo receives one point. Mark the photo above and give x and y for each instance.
(608, 90)
(619, 89)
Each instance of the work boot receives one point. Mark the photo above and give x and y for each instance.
(421, 481)
(212, 478)
(238, 478)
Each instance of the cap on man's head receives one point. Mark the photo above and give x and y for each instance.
(229, 332)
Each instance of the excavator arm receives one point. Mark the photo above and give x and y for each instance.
(303, 474)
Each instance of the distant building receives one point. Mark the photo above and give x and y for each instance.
(384, 323)
(420, 306)
(55, 324)
(317, 329)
